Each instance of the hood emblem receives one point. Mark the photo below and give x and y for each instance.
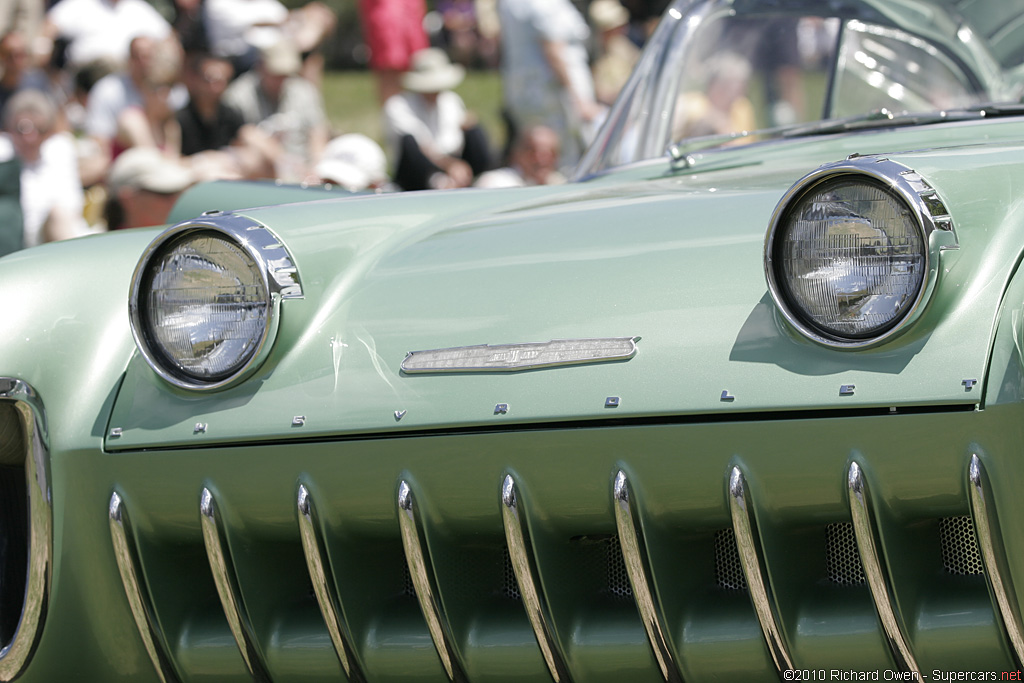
(514, 357)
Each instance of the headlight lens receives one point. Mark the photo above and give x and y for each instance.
(852, 258)
(848, 253)
(206, 306)
(205, 297)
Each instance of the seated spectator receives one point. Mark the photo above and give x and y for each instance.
(215, 139)
(97, 30)
(112, 95)
(51, 193)
(354, 162)
(285, 106)
(153, 124)
(239, 30)
(434, 142)
(16, 69)
(144, 185)
(533, 160)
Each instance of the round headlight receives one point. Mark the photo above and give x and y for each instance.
(203, 304)
(847, 257)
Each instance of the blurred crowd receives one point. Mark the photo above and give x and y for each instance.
(111, 108)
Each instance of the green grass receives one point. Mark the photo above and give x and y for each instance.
(351, 101)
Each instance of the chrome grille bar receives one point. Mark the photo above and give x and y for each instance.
(536, 609)
(227, 587)
(641, 578)
(864, 530)
(744, 526)
(15, 655)
(141, 606)
(993, 555)
(416, 558)
(326, 596)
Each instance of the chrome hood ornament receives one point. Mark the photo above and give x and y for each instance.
(514, 357)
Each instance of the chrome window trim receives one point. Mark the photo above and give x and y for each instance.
(744, 527)
(14, 656)
(993, 555)
(277, 270)
(326, 596)
(536, 609)
(630, 540)
(930, 215)
(230, 595)
(874, 571)
(416, 558)
(127, 557)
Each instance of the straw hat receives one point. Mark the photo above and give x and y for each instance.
(432, 71)
(608, 14)
(145, 168)
(281, 58)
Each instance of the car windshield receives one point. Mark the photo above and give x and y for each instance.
(720, 72)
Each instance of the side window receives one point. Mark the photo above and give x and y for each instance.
(886, 68)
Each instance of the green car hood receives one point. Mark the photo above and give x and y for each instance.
(673, 259)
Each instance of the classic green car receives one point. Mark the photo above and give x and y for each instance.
(750, 409)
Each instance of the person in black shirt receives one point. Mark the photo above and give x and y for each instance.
(214, 136)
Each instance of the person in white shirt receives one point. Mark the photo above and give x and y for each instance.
(434, 142)
(103, 29)
(51, 192)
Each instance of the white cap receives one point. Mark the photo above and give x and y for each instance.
(145, 168)
(354, 162)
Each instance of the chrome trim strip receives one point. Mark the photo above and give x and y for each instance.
(993, 555)
(278, 272)
(126, 555)
(641, 577)
(744, 527)
(14, 656)
(227, 586)
(330, 604)
(415, 556)
(516, 357)
(871, 560)
(930, 213)
(515, 539)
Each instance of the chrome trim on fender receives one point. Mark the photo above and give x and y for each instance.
(641, 577)
(930, 213)
(744, 527)
(871, 560)
(15, 655)
(278, 271)
(126, 555)
(515, 357)
(536, 609)
(326, 596)
(415, 556)
(227, 587)
(993, 555)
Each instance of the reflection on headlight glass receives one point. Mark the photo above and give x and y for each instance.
(853, 260)
(207, 306)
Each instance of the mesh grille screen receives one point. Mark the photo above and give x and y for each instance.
(960, 553)
(509, 586)
(728, 569)
(843, 558)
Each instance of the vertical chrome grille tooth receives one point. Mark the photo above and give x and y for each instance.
(874, 572)
(641, 578)
(227, 587)
(993, 556)
(416, 558)
(126, 555)
(744, 527)
(536, 607)
(15, 656)
(313, 548)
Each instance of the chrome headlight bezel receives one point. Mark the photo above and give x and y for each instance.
(277, 273)
(905, 186)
